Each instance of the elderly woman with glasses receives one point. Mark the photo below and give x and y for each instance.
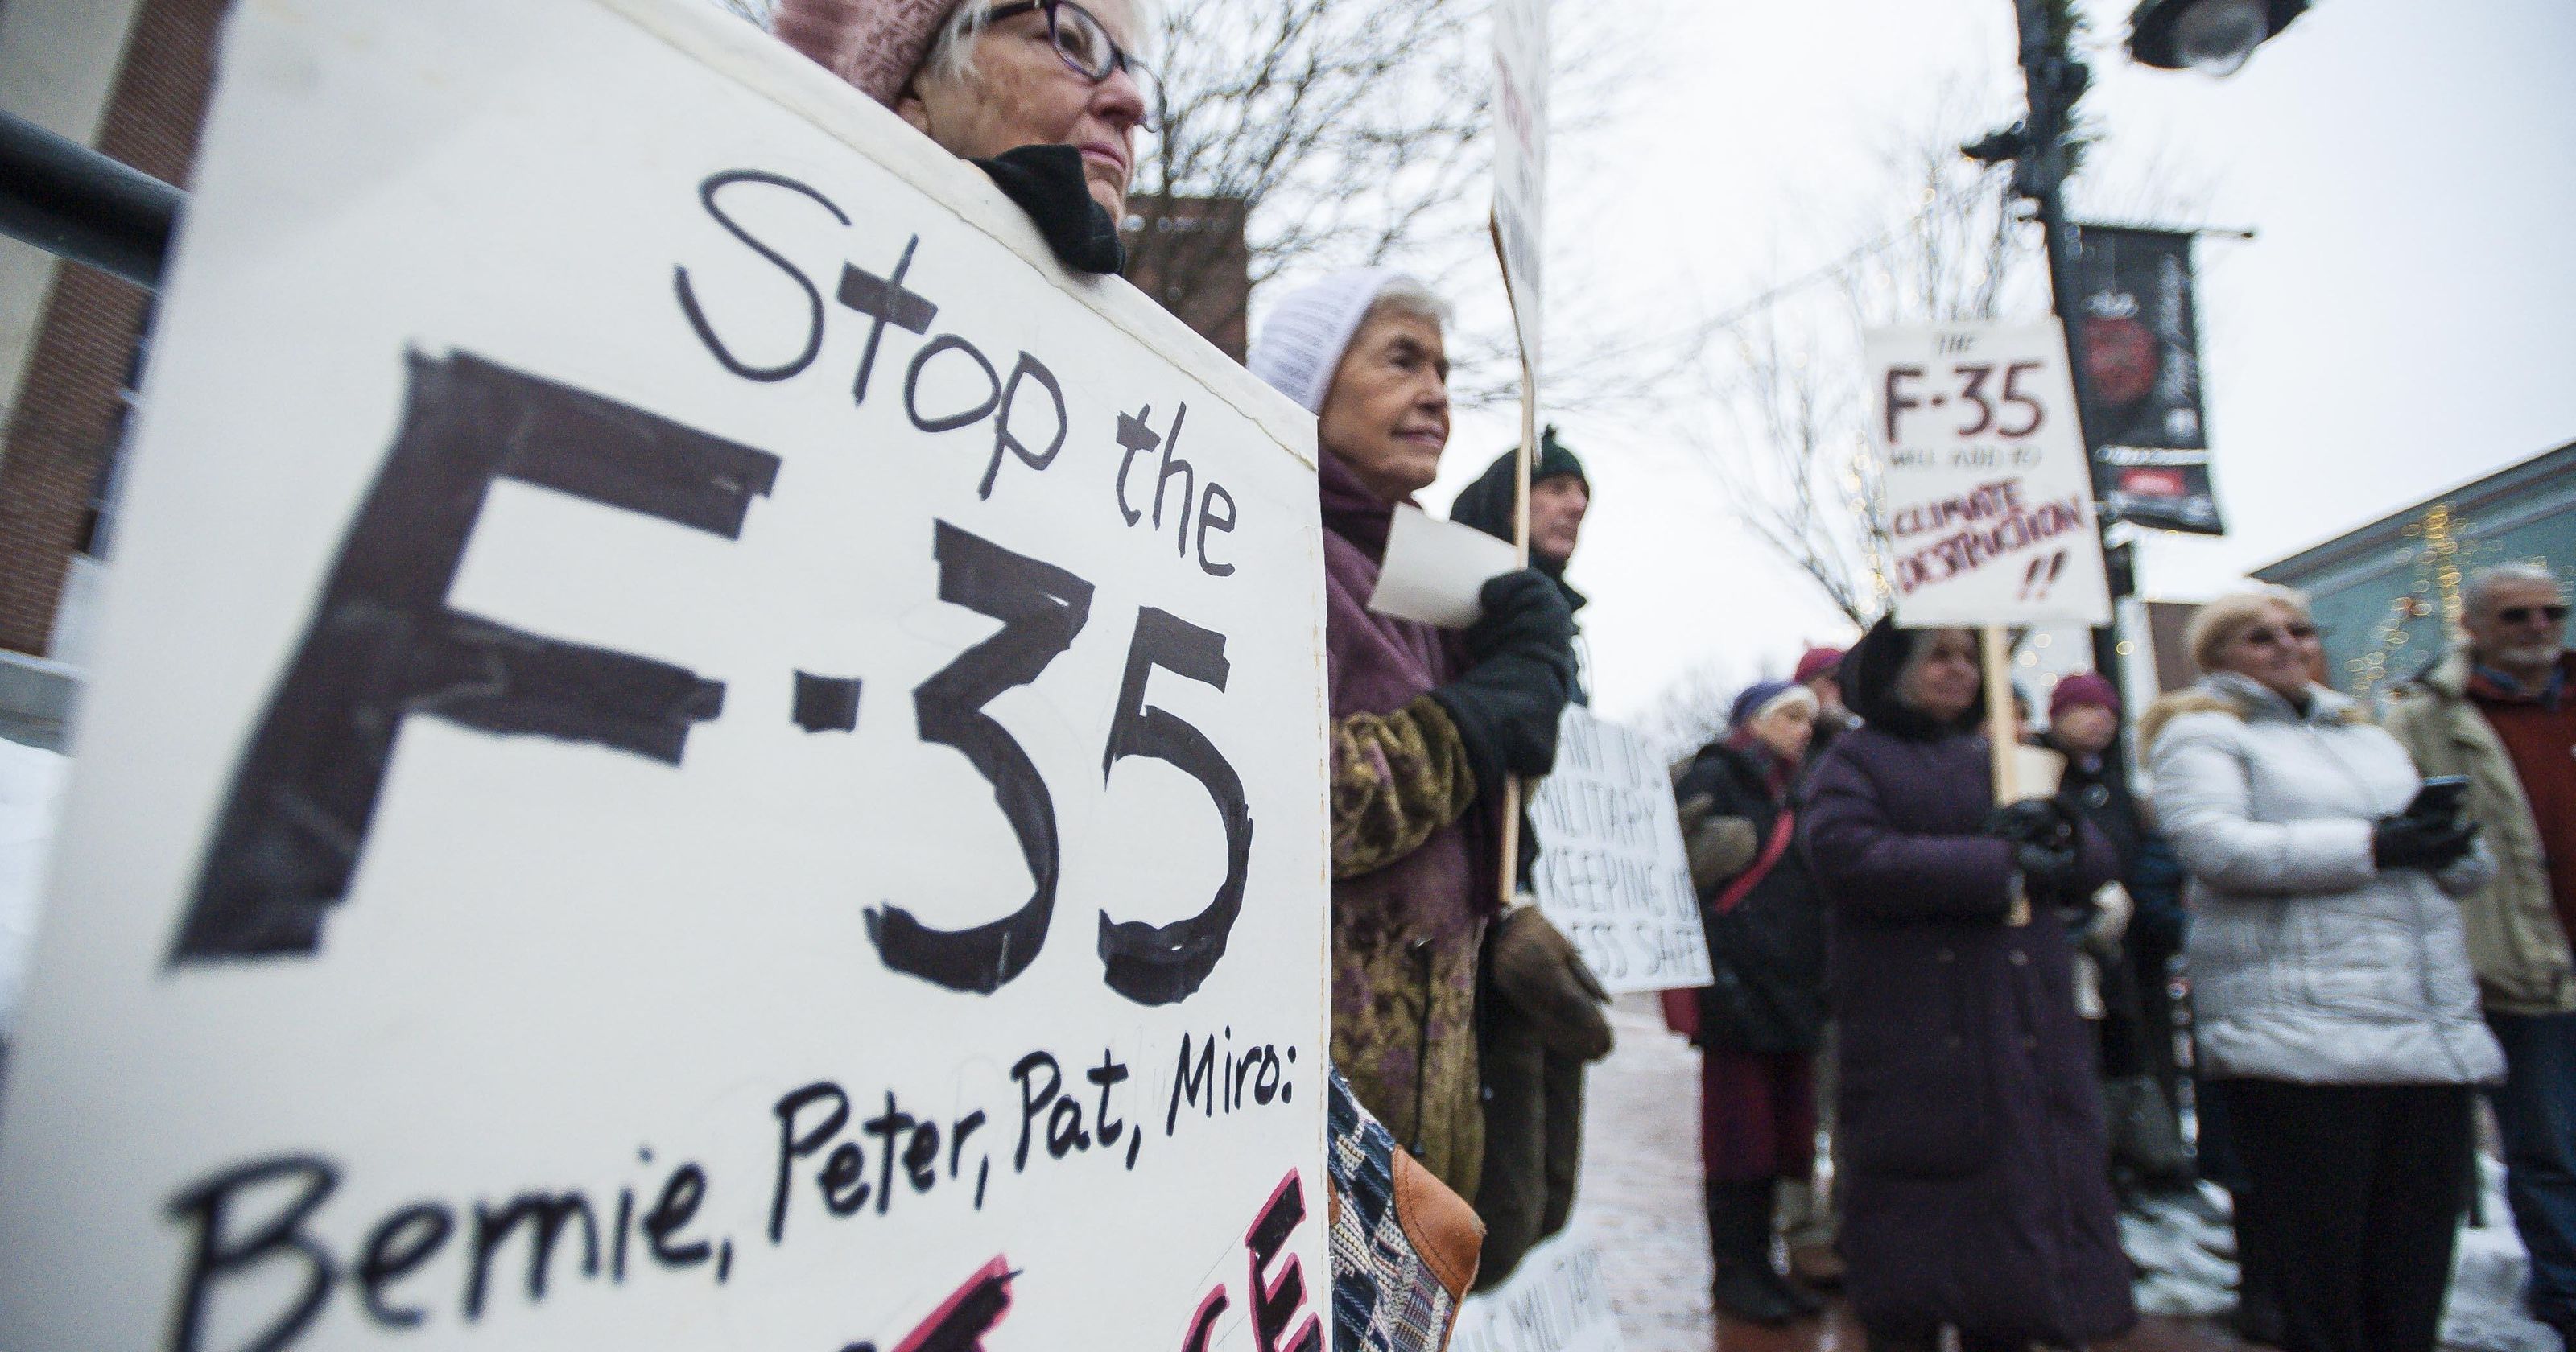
(1046, 95)
(2336, 1015)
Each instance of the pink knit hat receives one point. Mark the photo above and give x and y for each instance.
(876, 45)
(2083, 687)
(1818, 662)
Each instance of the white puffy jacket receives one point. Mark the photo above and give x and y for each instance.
(2308, 963)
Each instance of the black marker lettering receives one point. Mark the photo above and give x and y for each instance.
(679, 1203)
(888, 1126)
(1165, 964)
(216, 1253)
(949, 422)
(1137, 438)
(1189, 481)
(1033, 1100)
(546, 1214)
(401, 1242)
(795, 1143)
(884, 301)
(1006, 440)
(1107, 1075)
(1041, 608)
(1210, 521)
(813, 298)
(383, 645)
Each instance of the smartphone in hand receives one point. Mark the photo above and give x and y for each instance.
(2440, 799)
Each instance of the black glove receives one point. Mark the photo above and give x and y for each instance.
(1507, 706)
(2049, 873)
(2032, 821)
(2044, 848)
(1047, 183)
(2428, 843)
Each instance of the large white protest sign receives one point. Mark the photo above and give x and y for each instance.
(694, 747)
(1988, 505)
(1611, 872)
(1555, 1301)
(1520, 161)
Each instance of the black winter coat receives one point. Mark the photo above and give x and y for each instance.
(2099, 793)
(1767, 952)
(1976, 1165)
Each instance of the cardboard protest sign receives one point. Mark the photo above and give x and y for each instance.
(1556, 1301)
(1988, 506)
(1611, 872)
(1520, 161)
(694, 746)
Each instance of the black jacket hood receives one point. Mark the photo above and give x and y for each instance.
(1486, 504)
(1869, 676)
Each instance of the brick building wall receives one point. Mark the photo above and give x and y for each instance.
(1189, 254)
(70, 411)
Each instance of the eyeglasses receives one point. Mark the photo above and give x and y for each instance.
(1079, 37)
(2526, 614)
(2265, 636)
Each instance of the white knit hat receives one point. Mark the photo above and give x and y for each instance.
(1302, 345)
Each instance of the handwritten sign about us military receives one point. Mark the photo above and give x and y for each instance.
(1556, 1301)
(695, 746)
(1611, 871)
(1988, 503)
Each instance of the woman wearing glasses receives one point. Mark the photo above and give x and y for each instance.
(1045, 95)
(2335, 1011)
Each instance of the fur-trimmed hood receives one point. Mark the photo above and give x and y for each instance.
(2227, 693)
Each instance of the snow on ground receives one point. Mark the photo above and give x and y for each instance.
(1639, 1197)
(1640, 1203)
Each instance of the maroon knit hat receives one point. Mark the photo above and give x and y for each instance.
(1818, 662)
(2084, 687)
(876, 45)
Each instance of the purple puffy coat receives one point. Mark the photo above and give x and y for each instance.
(1976, 1185)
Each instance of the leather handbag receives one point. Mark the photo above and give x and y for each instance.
(1404, 1246)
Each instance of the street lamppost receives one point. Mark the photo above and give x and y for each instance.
(2214, 37)
(2041, 157)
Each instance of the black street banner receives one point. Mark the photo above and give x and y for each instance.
(2143, 420)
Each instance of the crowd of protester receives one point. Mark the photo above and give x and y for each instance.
(1974, 1002)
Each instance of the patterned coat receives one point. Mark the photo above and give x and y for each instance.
(1413, 877)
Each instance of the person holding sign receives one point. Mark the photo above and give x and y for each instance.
(1560, 495)
(2336, 1011)
(1761, 1020)
(1427, 725)
(1977, 1190)
(1043, 95)
(1540, 1005)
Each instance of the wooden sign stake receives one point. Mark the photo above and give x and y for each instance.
(2003, 733)
(1512, 790)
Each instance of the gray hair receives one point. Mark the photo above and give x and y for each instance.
(1405, 296)
(2483, 582)
(952, 52)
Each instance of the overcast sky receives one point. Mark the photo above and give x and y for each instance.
(2401, 324)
